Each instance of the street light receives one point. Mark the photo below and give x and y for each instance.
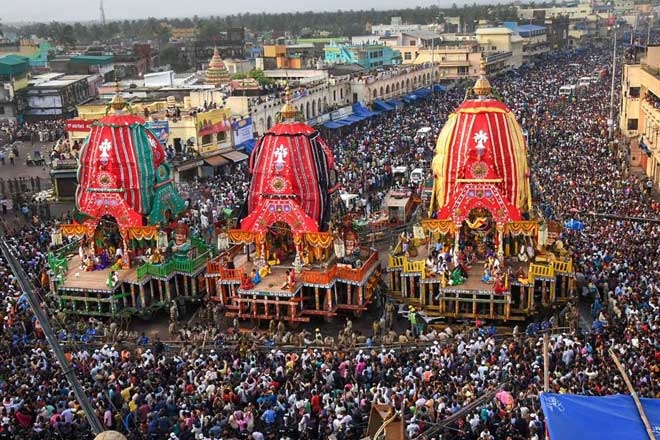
(610, 121)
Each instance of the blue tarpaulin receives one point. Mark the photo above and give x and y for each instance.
(609, 417)
(353, 118)
(439, 88)
(364, 112)
(396, 103)
(423, 92)
(410, 98)
(332, 125)
(383, 105)
(248, 146)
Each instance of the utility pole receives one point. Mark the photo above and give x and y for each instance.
(40, 314)
(610, 121)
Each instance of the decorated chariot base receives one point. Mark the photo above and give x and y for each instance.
(296, 266)
(127, 252)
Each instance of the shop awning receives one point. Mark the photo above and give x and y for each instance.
(189, 165)
(410, 98)
(364, 112)
(235, 156)
(380, 105)
(395, 103)
(332, 125)
(352, 119)
(424, 92)
(216, 161)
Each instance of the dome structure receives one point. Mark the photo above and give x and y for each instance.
(481, 161)
(293, 175)
(217, 73)
(122, 173)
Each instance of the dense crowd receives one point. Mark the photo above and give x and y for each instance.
(316, 393)
(38, 131)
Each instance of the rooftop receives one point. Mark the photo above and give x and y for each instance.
(494, 31)
(530, 28)
(91, 59)
(423, 34)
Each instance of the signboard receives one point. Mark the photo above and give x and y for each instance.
(77, 125)
(342, 113)
(243, 131)
(320, 119)
(161, 129)
(214, 121)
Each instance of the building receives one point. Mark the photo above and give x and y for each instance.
(640, 112)
(534, 38)
(366, 55)
(13, 78)
(57, 98)
(410, 44)
(574, 12)
(452, 62)
(36, 51)
(502, 48)
(396, 26)
(292, 56)
(182, 34)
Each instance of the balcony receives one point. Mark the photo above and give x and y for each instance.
(652, 113)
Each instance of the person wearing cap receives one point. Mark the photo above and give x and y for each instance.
(412, 318)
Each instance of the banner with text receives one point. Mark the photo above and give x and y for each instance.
(77, 125)
(243, 131)
(161, 129)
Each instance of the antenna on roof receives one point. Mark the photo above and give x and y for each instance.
(102, 13)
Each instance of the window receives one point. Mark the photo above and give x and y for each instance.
(413, 43)
(632, 124)
(633, 92)
(2, 109)
(207, 139)
(407, 55)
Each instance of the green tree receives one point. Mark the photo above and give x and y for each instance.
(261, 78)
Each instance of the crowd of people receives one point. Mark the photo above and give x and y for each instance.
(279, 392)
(38, 131)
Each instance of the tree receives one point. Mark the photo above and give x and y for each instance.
(261, 78)
(174, 57)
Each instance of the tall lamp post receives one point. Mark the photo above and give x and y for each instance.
(610, 121)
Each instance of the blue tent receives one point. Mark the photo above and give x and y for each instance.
(383, 105)
(439, 88)
(610, 417)
(395, 102)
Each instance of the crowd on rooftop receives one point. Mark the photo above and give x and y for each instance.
(321, 393)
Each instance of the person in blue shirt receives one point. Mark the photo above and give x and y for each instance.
(256, 278)
(269, 417)
(143, 340)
